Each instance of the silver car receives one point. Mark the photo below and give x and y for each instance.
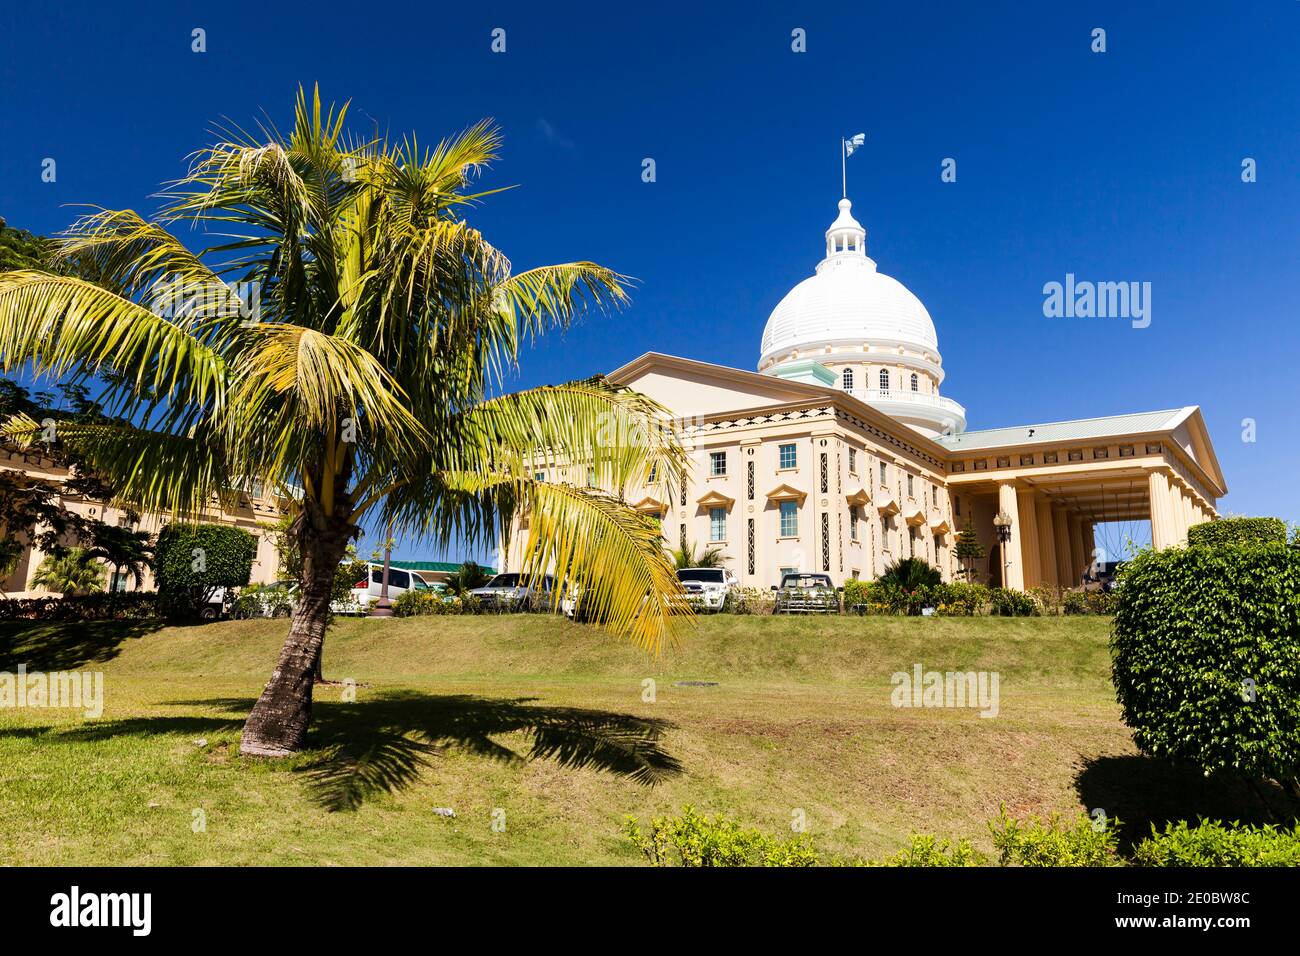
(516, 592)
(801, 593)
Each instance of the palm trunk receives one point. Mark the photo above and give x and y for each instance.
(277, 725)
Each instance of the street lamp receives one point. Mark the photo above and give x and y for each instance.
(384, 607)
(1002, 525)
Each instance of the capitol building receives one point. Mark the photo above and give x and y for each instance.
(841, 454)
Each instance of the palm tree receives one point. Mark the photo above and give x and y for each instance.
(467, 577)
(72, 572)
(122, 548)
(911, 573)
(687, 556)
(359, 357)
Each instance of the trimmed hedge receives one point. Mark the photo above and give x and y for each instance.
(103, 606)
(193, 560)
(1206, 657)
(1238, 531)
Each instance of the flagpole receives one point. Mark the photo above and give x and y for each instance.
(844, 175)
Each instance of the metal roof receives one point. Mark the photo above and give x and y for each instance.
(447, 566)
(1082, 429)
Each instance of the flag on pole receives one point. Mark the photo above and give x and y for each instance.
(853, 143)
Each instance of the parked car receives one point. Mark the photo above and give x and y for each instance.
(707, 588)
(804, 593)
(370, 588)
(516, 592)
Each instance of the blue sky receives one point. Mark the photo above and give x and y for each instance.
(1116, 166)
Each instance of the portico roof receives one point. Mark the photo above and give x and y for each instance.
(1110, 426)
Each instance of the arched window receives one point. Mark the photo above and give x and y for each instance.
(884, 379)
(915, 383)
(847, 379)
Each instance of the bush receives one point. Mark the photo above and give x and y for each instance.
(1008, 602)
(1238, 531)
(1210, 843)
(856, 594)
(261, 600)
(415, 603)
(911, 574)
(959, 599)
(695, 840)
(929, 850)
(749, 601)
(1054, 842)
(193, 560)
(1204, 650)
(1090, 602)
(103, 606)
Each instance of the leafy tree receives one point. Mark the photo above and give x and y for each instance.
(19, 249)
(968, 549)
(1204, 648)
(687, 555)
(193, 560)
(74, 571)
(360, 356)
(467, 577)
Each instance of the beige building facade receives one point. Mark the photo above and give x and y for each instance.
(840, 455)
(256, 511)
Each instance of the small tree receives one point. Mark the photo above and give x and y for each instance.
(74, 571)
(1204, 649)
(968, 549)
(122, 549)
(688, 556)
(194, 560)
(467, 577)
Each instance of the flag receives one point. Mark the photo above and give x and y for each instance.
(853, 143)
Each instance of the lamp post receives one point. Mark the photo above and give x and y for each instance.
(384, 607)
(1002, 525)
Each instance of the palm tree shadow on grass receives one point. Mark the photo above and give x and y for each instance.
(380, 745)
(51, 646)
(1143, 791)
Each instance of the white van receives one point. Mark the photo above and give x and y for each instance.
(399, 582)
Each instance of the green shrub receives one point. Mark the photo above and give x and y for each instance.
(959, 599)
(1210, 843)
(929, 850)
(101, 606)
(193, 560)
(1054, 842)
(856, 594)
(911, 574)
(1238, 531)
(695, 840)
(414, 603)
(1008, 602)
(1090, 602)
(1204, 653)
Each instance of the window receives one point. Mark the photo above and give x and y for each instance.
(717, 463)
(396, 577)
(654, 473)
(884, 474)
(789, 519)
(717, 524)
(884, 379)
(847, 380)
(789, 456)
(909, 486)
(117, 581)
(539, 476)
(591, 477)
(853, 461)
(853, 522)
(1026, 459)
(916, 383)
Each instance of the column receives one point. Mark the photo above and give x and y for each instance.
(1013, 561)
(1061, 531)
(1089, 541)
(1077, 561)
(1046, 544)
(1029, 537)
(1162, 526)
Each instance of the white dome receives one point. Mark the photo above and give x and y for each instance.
(847, 301)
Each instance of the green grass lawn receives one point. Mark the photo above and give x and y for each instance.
(546, 721)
